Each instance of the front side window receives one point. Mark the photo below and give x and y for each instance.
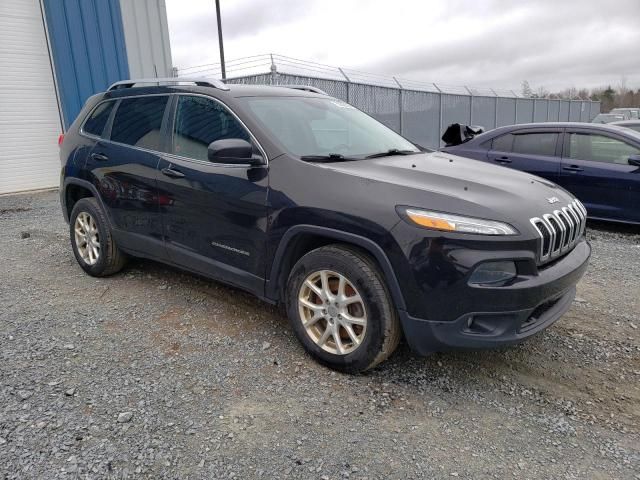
(95, 123)
(201, 121)
(138, 121)
(535, 143)
(310, 126)
(598, 148)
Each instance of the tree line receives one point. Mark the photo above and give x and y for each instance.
(610, 97)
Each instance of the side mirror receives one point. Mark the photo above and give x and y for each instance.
(232, 150)
(634, 160)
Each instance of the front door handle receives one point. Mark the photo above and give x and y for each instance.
(170, 172)
(99, 157)
(572, 168)
(502, 160)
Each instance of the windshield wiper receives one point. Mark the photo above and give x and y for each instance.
(330, 157)
(393, 151)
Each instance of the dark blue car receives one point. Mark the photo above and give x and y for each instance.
(599, 164)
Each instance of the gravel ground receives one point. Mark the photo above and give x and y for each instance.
(155, 373)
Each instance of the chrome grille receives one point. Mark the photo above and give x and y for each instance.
(560, 230)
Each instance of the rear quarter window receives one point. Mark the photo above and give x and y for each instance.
(97, 119)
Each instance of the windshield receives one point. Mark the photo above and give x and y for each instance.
(309, 126)
(607, 118)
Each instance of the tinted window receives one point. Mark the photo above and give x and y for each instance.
(599, 148)
(503, 143)
(138, 120)
(200, 121)
(535, 143)
(98, 119)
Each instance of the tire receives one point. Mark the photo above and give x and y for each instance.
(366, 301)
(109, 258)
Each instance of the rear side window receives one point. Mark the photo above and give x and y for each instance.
(527, 143)
(535, 144)
(503, 143)
(94, 125)
(138, 121)
(598, 148)
(200, 121)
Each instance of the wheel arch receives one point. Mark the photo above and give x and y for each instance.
(73, 190)
(301, 239)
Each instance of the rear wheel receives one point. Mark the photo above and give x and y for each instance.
(340, 309)
(91, 239)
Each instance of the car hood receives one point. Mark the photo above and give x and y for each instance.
(461, 185)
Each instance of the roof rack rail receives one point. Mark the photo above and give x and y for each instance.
(306, 88)
(201, 82)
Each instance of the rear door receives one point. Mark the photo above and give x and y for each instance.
(536, 151)
(596, 169)
(123, 167)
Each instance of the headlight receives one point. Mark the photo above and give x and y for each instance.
(455, 223)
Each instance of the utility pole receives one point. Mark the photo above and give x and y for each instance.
(220, 44)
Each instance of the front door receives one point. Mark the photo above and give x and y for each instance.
(215, 219)
(596, 169)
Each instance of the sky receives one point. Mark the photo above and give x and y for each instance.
(555, 44)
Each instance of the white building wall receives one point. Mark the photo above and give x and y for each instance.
(146, 35)
(29, 116)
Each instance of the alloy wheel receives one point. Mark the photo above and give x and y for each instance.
(332, 312)
(87, 238)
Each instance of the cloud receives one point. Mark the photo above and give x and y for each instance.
(497, 43)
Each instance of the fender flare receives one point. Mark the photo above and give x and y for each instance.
(368, 245)
(85, 184)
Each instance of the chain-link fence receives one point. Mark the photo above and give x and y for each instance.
(418, 111)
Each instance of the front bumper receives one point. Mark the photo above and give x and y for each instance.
(546, 296)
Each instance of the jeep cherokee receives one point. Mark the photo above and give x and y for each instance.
(307, 202)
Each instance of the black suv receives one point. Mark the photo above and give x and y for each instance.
(307, 202)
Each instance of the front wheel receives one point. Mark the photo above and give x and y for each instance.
(340, 309)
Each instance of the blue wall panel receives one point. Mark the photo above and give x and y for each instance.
(88, 48)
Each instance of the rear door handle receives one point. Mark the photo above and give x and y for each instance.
(502, 160)
(572, 168)
(170, 172)
(99, 157)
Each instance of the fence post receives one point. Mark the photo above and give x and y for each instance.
(495, 112)
(470, 104)
(348, 84)
(533, 111)
(440, 113)
(400, 107)
(515, 110)
(547, 109)
(274, 71)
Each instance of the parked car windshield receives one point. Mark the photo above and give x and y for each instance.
(607, 118)
(310, 126)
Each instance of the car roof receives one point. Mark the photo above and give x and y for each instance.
(603, 127)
